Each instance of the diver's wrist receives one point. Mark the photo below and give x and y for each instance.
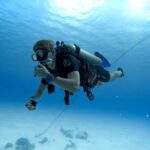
(33, 98)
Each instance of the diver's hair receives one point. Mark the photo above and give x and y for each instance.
(44, 44)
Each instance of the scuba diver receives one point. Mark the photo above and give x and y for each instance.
(68, 66)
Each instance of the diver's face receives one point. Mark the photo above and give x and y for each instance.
(52, 54)
(39, 52)
(51, 60)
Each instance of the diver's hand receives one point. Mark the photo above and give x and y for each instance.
(31, 105)
(41, 71)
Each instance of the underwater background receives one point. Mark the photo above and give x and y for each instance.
(119, 116)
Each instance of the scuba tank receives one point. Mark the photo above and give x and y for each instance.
(95, 59)
(84, 55)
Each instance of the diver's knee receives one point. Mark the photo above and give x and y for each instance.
(106, 77)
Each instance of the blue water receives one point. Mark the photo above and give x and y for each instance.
(117, 29)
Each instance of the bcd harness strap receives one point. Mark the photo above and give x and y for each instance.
(66, 98)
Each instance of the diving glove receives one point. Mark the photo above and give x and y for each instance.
(31, 105)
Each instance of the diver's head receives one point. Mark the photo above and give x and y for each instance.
(43, 50)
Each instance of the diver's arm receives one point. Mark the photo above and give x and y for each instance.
(115, 74)
(39, 92)
(71, 83)
(31, 104)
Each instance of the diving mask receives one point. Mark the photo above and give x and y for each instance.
(40, 55)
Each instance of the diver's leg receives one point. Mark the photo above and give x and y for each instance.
(113, 75)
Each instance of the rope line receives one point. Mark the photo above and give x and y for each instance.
(52, 123)
(129, 50)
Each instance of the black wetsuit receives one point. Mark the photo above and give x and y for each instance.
(66, 64)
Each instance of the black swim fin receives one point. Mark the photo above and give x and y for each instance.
(105, 63)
